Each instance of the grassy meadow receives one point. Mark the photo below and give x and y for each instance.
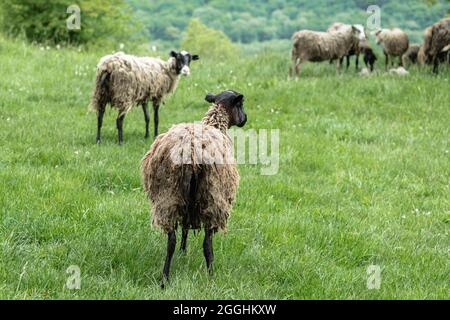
(363, 180)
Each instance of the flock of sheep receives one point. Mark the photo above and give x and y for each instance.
(189, 174)
(343, 40)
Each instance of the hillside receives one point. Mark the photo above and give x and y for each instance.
(248, 21)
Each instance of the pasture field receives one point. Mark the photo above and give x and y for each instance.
(363, 180)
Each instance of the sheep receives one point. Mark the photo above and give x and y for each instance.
(320, 46)
(356, 50)
(411, 55)
(191, 178)
(369, 55)
(395, 43)
(437, 43)
(124, 80)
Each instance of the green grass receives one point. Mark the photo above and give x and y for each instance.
(363, 179)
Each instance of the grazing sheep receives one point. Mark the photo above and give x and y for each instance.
(411, 55)
(356, 50)
(125, 80)
(400, 71)
(320, 46)
(369, 55)
(437, 43)
(190, 175)
(395, 42)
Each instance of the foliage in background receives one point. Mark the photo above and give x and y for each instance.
(250, 21)
(207, 42)
(102, 21)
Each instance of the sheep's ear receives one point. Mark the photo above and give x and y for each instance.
(238, 99)
(210, 98)
(195, 57)
(173, 54)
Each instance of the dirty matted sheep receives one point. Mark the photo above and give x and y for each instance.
(395, 43)
(124, 80)
(321, 46)
(190, 175)
(436, 44)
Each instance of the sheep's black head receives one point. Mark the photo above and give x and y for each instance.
(234, 104)
(183, 60)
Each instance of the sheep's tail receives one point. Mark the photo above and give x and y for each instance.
(191, 218)
(101, 91)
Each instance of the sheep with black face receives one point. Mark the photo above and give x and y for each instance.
(125, 80)
(190, 175)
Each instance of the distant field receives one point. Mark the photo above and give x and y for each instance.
(363, 180)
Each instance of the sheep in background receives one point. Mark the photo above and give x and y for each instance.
(437, 43)
(369, 55)
(321, 46)
(190, 175)
(125, 80)
(356, 50)
(411, 55)
(395, 42)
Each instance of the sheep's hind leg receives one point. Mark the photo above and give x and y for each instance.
(147, 119)
(119, 123)
(185, 233)
(387, 61)
(208, 250)
(171, 243)
(100, 114)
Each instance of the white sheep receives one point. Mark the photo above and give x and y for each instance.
(320, 46)
(395, 43)
(125, 80)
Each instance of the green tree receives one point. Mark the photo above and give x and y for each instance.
(45, 21)
(207, 42)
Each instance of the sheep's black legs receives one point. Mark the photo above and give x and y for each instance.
(357, 62)
(387, 61)
(348, 62)
(100, 114)
(147, 119)
(119, 123)
(184, 239)
(208, 249)
(156, 117)
(171, 243)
